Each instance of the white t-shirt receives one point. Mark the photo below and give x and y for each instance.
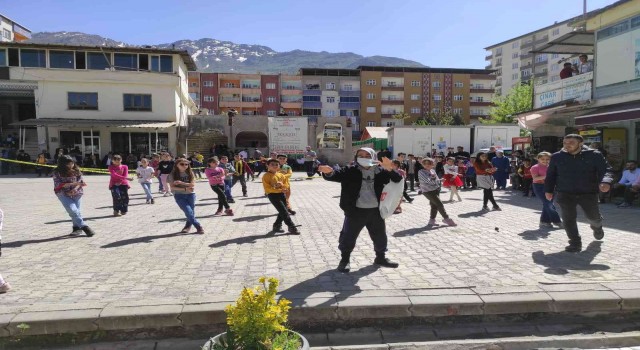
(146, 174)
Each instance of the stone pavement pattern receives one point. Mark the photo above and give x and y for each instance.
(143, 256)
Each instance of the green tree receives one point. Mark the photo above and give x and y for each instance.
(518, 100)
(441, 118)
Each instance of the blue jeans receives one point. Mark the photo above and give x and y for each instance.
(160, 185)
(72, 206)
(146, 186)
(187, 202)
(227, 188)
(549, 212)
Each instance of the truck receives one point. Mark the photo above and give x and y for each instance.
(420, 140)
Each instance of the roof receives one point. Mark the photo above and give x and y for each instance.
(191, 64)
(610, 114)
(95, 122)
(574, 43)
(330, 72)
(376, 132)
(15, 22)
(568, 22)
(425, 70)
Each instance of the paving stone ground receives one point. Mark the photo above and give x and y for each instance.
(143, 256)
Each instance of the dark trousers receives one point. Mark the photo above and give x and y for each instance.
(549, 212)
(280, 203)
(629, 195)
(501, 180)
(243, 183)
(120, 196)
(405, 194)
(436, 204)
(568, 203)
(353, 225)
(487, 195)
(526, 185)
(412, 179)
(40, 169)
(308, 165)
(222, 198)
(470, 181)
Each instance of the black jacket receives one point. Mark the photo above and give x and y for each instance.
(580, 173)
(351, 180)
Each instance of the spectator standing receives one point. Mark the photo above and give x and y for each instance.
(309, 159)
(576, 173)
(501, 163)
(549, 215)
(567, 71)
(630, 176)
(461, 153)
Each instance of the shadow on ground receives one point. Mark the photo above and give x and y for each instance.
(144, 239)
(17, 244)
(560, 263)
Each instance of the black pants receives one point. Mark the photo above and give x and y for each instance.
(436, 204)
(405, 194)
(243, 183)
(629, 195)
(568, 203)
(487, 195)
(222, 199)
(40, 169)
(412, 179)
(353, 225)
(526, 186)
(470, 181)
(308, 165)
(280, 203)
(120, 196)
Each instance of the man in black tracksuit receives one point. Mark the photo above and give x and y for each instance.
(576, 173)
(362, 186)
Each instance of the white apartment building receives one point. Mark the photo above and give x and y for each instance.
(12, 31)
(99, 99)
(514, 63)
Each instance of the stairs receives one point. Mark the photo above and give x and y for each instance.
(202, 142)
(31, 146)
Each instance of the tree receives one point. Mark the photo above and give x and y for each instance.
(441, 118)
(518, 100)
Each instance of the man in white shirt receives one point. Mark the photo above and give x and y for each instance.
(584, 66)
(629, 177)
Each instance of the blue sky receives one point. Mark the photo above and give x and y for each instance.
(437, 33)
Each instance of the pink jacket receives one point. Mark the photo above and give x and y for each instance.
(119, 175)
(215, 176)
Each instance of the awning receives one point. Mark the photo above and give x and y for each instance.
(95, 123)
(613, 113)
(574, 43)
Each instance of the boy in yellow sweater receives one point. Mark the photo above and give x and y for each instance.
(275, 185)
(286, 170)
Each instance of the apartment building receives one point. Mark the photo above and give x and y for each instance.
(419, 92)
(514, 62)
(194, 87)
(12, 31)
(99, 99)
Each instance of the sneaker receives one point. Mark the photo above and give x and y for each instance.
(291, 211)
(230, 201)
(229, 212)
(123, 213)
(186, 229)
(166, 194)
(397, 211)
(116, 213)
(245, 195)
(573, 248)
(559, 224)
(410, 201)
(218, 212)
(385, 262)
(485, 208)
(5, 288)
(148, 201)
(153, 201)
(77, 231)
(598, 233)
(449, 222)
(277, 228)
(293, 230)
(344, 266)
(497, 208)
(88, 231)
(432, 222)
(624, 205)
(545, 225)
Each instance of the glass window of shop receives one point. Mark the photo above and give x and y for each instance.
(138, 143)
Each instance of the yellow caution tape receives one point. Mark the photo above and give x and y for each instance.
(83, 169)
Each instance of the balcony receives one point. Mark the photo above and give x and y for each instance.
(251, 99)
(311, 104)
(297, 105)
(527, 44)
(542, 40)
(229, 90)
(312, 86)
(393, 86)
(499, 53)
(498, 83)
(489, 57)
(540, 63)
(286, 86)
(527, 66)
(526, 55)
(392, 101)
(349, 93)
(488, 67)
(312, 92)
(229, 99)
(349, 105)
(480, 104)
(250, 86)
(386, 114)
(482, 89)
(576, 88)
(541, 74)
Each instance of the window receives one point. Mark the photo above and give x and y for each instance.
(541, 58)
(271, 86)
(390, 124)
(515, 65)
(515, 76)
(311, 111)
(310, 98)
(208, 98)
(98, 60)
(82, 100)
(526, 72)
(457, 111)
(435, 110)
(6, 34)
(479, 99)
(555, 32)
(350, 99)
(499, 51)
(415, 110)
(458, 84)
(137, 102)
(162, 63)
(81, 60)
(415, 97)
(371, 96)
(207, 83)
(458, 97)
(33, 58)
(371, 123)
(143, 62)
(515, 44)
(371, 109)
(554, 55)
(14, 57)
(555, 67)
(371, 82)
(3, 57)
(415, 83)
(331, 99)
(555, 78)
(271, 113)
(347, 87)
(436, 84)
(229, 85)
(331, 86)
(330, 113)
(60, 59)
(437, 97)
(515, 55)
(125, 61)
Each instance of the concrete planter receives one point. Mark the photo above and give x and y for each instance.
(216, 340)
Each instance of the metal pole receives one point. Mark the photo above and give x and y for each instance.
(20, 137)
(130, 150)
(156, 140)
(92, 141)
(149, 149)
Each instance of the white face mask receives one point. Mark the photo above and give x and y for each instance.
(365, 162)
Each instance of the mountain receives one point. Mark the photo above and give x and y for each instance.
(213, 55)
